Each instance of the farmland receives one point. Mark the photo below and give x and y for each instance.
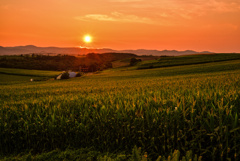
(192, 107)
(16, 76)
(166, 61)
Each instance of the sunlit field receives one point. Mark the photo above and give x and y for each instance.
(191, 108)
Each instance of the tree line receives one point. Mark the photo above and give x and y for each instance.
(92, 61)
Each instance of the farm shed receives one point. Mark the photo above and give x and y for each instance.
(72, 74)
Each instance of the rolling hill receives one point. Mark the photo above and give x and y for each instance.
(29, 49)
(189, 109)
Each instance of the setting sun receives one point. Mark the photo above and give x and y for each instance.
(87, 39)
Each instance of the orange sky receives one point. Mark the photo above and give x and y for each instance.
(212, 25)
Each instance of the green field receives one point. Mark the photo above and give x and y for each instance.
(189, 108)
(187, 60)
(25, 72)
(16, 76)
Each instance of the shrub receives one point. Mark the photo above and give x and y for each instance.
(134, 61)
(65, 75)
(79, 74)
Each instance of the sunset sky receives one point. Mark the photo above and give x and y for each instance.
(212, 25)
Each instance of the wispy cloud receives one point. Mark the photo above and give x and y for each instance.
(187, 9)
(99, 17)
(115, 16)
(221, 6)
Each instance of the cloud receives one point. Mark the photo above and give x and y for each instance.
(115, 16)
(188, 8)
(167, 12)
(98, 17)
(221, 6)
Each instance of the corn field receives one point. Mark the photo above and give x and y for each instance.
(193, 112)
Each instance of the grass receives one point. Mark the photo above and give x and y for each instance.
(15, 76)
(186, 108)
(26, 72)
(16, 79)
(187, 60)
(126, 62)
(130, 72)
(121, 63)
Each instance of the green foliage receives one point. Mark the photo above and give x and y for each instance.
(41, 62)
(88, 154)
(62, 62)
(136, 154)
(57, 155)
(134, 61)
(79, 74)
(159, 110)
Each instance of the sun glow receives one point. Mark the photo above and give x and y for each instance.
(87, 39)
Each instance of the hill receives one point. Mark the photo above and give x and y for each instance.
(191, 108)
(166, 61)
(29, 49)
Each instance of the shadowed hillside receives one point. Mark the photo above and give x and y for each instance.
(29, 49)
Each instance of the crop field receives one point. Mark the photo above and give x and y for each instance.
(187, 60)
(25, 72)
(16, 76)
(193, 108)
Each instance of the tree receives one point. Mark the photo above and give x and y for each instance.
(134, 61)
(65, 75)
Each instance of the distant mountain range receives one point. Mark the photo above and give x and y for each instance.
(30, 49)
